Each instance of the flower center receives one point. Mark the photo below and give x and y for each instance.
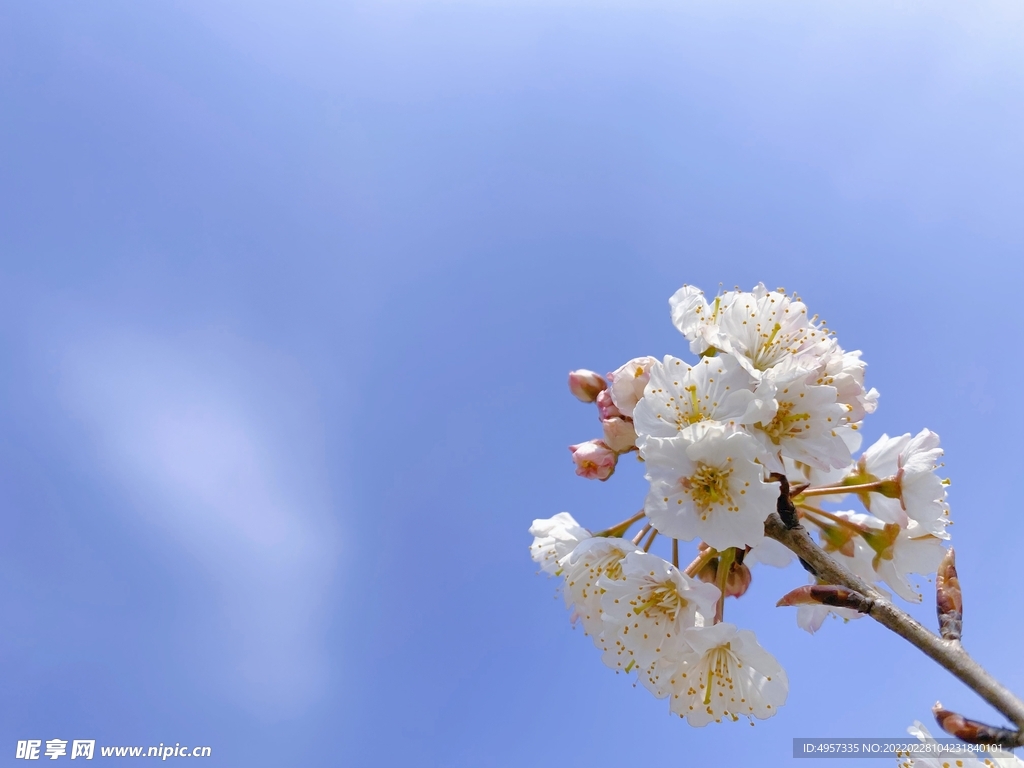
(766, 354)
(774, 345)
(709, 486)
(696, 413)
(719, 661)
(613, 569)
(786, 423)
(663, 599)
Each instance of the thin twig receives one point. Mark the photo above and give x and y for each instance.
(639, 536)
(725, 561)
(650, 540)
(839, 490)
(841, 522)
(700, 561)
(619, 529)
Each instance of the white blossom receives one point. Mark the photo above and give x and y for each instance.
(895, 552)
(913, 551)
(554, 538)
(652, 604)
(810, 617)
(798, 471)
(708, 488)
(723, 674)
(715, 389)
(763, 329)
(591, 560)
(690, 314)
(627, 382)
(917, 493)
(802, 423)
(769, 552)
(845, 372)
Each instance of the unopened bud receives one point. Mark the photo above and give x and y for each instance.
(594, 459)
(827, 594)
(709, 571)
(972, 731)
(737, 581)
(606, 409)
(586, 385)
(948, 598)
(619, 434)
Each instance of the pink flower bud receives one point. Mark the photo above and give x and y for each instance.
(594, 459)
(619, 434)
(605, 407)
(586, 385)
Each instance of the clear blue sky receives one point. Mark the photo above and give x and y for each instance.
(289, 293)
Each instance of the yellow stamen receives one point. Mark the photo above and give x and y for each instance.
(695, 412)
(649, 604)
(709, 485)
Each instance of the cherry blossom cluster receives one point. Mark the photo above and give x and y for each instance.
(769, 402)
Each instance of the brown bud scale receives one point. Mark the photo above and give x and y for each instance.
(825, 594)
(972, 731)
(948, 598)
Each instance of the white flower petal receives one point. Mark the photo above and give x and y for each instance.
(709, 487)
(591, 560)
(726, 675)
(651, 605)
(715, 390)
(554, 538)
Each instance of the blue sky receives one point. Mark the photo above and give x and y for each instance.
(289, 296)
